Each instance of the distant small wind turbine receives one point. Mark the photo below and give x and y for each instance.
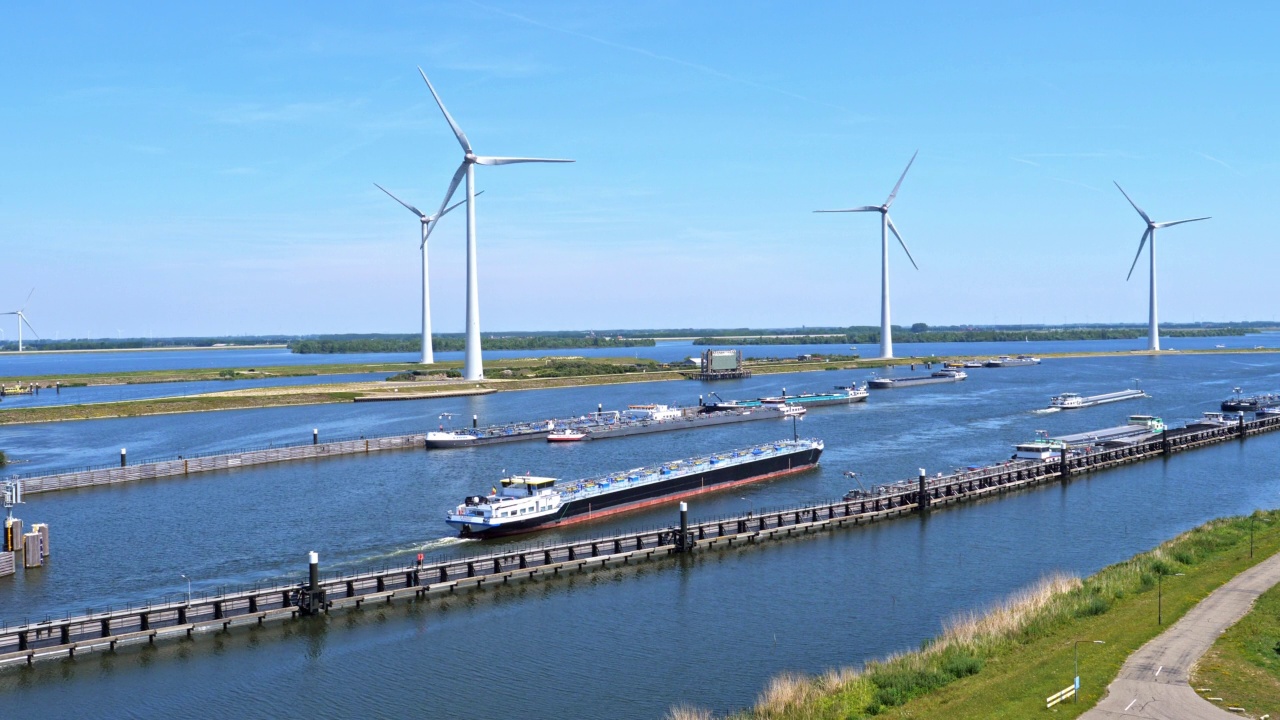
(428, 222)
(1153, 332)
(886, 225)
(472, 366)
(22, 319)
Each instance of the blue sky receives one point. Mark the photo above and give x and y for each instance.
(177, 170)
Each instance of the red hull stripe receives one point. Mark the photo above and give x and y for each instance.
(656, 501)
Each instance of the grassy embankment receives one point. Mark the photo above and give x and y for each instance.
(1004, 662)
(1243, 666)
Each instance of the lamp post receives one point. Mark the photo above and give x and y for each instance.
(1252, 515)
(1075, 651)
(184, 577)
(1160, 596)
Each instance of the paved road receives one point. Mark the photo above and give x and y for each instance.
(1153, 681)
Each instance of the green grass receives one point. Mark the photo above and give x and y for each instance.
(1002, 662)
(1243, 666)
(135, 408)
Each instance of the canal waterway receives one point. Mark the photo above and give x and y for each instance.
(627, 642)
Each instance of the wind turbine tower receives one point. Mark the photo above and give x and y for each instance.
(1153, 331)
(473, 366)
(428, 222)
(886, 225)
(22, 319)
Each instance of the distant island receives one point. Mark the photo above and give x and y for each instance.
(338, 343)
(906, 335)
(404, 344)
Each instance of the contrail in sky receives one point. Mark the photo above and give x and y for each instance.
(665, 58)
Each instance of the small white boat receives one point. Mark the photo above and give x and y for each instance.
(566, 435)
(791, 410)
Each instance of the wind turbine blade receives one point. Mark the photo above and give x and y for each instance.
(412, 209)
(1140, 246)
(512, 160)
(451, 207)
(431, 221)
(462, 137)
(901, 242)
(33, 330)
(24, 302)
(1178, 222)
(864, 208)
(457, 178)
(894, 194)
(1131, 202)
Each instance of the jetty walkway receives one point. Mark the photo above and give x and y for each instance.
(147, 622)
(113, 475)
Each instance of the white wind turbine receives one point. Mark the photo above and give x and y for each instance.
(428, 222)
(1153, 331)
(473, 367)
(886, 225)
(22, 318)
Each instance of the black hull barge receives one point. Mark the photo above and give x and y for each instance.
(526, 503)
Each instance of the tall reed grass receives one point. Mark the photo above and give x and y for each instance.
(969, 640)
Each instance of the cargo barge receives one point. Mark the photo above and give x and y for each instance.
(1252, 403)
(1006, 361)
(635, 420)
(941, 376)
(645, 419)
(844, 395)
(1071, 401)
(1139, 427)
(526, 503)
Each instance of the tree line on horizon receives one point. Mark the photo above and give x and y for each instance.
(543, 339)
(916, 334)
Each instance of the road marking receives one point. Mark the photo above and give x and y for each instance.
(1131, 702)
(1158, 670)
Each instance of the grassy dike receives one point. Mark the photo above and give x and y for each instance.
(1004, 661)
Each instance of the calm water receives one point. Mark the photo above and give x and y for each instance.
(622, 643)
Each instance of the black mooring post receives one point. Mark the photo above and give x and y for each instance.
(312, 597)
(1241, 415)
(1164, 441)
(682, 542)
(313, 559)
(922, 498)
(475, 421)
(315, 436)
(123, 461)
(1063, 469)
